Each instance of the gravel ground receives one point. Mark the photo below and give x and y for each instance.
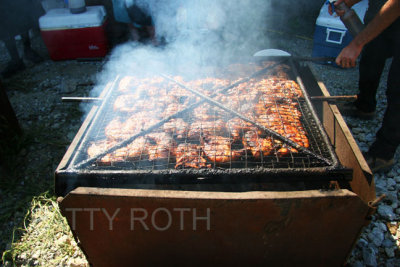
(50, 125)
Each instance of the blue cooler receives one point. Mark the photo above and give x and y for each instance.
(330, 35)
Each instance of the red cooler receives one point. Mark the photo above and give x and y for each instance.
(72, 36)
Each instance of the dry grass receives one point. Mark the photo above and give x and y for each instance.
(46, 239)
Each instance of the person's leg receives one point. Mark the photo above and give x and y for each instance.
(16, 64)
(388, 136)
(372, 63)
(29, 53)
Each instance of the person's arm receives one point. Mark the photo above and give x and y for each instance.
(385, 17)
(348, 3)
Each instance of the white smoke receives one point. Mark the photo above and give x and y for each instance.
(199, 34)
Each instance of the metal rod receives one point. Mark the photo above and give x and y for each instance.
(175, 115)
(262, 127)
(375, 202)
(349, 98)
(314, 59)
(80, 99)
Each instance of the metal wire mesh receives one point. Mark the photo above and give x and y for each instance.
(207, 137)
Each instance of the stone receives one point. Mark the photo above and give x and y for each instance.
(376, 236)
(393, 262)
(380, 186)
(362, 137)
(362, 243)
(381, 226)
(370, 137)
(386, 212)
(390, 182)
(63, 240)
(78, 263)
(387, 243)
(357, 264)
(389, 252)
(369, 256)
(36, 255)
(397, 211)
(23, 256)
(68, 86)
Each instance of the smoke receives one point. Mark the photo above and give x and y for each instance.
(198, 34)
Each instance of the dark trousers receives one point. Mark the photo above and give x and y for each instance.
(372, 63)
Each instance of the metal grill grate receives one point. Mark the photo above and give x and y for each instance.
(194, 147)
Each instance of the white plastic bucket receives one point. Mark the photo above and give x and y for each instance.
(76, 6)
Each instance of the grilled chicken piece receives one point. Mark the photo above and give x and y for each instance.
(218, 149)
(117, 130)
(206, 112)
(171, 109)
(285, 120)
(208, 84)
(131, 103)
(177, 127)
(125, 103)
(231, 101)
(207, 128)
(257, 145)
(249, 96)
(98, 147)
(127, 84)
(138, 149)
(190, 156)
(134, 151)
(163, 146)
(142, 120)
(178, 92)
(237, 127)
(273, 86)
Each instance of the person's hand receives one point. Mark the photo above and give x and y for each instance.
(348, 56)
(338, 11)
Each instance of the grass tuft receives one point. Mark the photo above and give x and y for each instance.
(44, 229)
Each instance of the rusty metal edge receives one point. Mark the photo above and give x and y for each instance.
(145, 193)
(367, 173)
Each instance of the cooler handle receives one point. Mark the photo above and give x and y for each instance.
(328, 34)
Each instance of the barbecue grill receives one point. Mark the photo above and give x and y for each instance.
(306, 206)
(319, 164)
